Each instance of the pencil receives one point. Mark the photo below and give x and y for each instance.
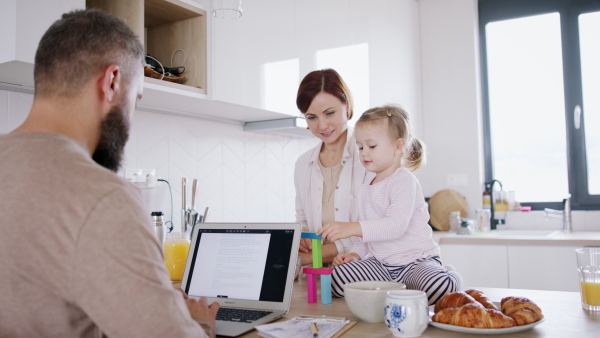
(314, 329)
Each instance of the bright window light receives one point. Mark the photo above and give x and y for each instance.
(352, 63)
(589, 28)
(526, 100)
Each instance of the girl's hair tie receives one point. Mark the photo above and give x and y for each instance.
(389, 114)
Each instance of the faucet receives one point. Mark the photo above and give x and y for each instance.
(493, 221)
(565, 214)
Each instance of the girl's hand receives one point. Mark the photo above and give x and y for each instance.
(305, 243)
(339, 230)
(344, 258)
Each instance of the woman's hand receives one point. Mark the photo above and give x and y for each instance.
(344, 258)
(305, 243)
(340, 230)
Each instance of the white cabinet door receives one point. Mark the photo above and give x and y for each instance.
(23, 23)
(479, 265)
(543, 268)
(259, 59)
(254, 57)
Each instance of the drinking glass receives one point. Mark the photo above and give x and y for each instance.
(176, 249)
(588, 265)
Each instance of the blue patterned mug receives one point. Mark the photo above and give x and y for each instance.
(406, 312)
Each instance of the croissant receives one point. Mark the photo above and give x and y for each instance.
(454, 299)
(481, 298)
(473, 315)
(521, 309)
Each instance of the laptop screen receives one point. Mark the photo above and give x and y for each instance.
(248, 264)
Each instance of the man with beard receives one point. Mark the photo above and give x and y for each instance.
(78, 255)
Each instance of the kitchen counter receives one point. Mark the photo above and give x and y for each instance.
(563, 314)
(522, 237)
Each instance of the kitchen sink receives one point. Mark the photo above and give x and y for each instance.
(525, 233)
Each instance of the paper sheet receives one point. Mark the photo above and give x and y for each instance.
(300, 328)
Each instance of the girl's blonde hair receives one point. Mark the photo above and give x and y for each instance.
(399, 126)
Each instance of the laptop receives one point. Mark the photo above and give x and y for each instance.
(248, 268)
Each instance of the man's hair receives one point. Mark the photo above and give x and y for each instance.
(80, 44)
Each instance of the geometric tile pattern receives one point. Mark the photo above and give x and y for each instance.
(242, 176)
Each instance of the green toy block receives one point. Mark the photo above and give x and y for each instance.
(317, 253)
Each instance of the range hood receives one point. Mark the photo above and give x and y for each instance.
(290, 126)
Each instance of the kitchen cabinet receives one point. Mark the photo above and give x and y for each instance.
(539, 267)
(170, 31)
(23, 24)
(259, 59)
(163, 26)
(543, 268)
(479, 265)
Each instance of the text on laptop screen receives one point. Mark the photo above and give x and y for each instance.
(240, 264)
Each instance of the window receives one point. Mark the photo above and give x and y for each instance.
(540, 79)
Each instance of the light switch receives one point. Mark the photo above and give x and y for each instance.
(457, 179)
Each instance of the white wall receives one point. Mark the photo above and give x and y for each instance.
(451, 106)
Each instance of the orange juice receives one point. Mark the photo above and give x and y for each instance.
(176, 251)
(590, 293)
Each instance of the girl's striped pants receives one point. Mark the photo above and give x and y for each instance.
(426, 274)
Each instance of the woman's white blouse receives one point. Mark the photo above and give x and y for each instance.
(308, 181)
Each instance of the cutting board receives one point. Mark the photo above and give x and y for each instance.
(442, 203)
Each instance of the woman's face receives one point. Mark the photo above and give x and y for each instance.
(327, 117)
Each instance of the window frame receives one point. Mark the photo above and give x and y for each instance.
(569, 10)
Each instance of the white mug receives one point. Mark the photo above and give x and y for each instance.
(406, 312)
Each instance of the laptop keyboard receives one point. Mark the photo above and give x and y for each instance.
(240, 315)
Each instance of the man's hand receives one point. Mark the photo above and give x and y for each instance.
(344, 258)
(199, 309)
(305, 243)
(339, 230)
(305, 257)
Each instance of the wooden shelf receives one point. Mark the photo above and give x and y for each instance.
(165, 27)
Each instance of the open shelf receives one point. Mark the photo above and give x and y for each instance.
(165, 27)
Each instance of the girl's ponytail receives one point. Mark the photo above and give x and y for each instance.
(414, 155)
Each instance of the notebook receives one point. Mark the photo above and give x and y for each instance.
(247, 267)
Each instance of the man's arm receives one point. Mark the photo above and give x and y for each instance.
(119, 279)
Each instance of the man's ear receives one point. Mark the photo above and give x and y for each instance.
(110, 83)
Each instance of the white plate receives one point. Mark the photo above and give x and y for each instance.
(473, 330)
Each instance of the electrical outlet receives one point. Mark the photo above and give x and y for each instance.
(457, 179)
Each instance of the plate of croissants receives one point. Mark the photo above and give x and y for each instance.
(471, 311)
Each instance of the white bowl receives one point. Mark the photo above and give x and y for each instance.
(366, 299)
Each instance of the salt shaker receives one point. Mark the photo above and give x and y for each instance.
(159, 228)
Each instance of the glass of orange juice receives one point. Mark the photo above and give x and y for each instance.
(588, 265)
(176, 248)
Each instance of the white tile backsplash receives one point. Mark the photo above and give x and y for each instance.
(242, 176)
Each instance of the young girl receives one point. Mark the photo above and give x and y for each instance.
(392, 238)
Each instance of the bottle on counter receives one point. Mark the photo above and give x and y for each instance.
(159, 227)
(484, 217)
(454, 221)
(487, 197)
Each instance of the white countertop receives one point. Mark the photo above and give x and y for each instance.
(522, 237)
